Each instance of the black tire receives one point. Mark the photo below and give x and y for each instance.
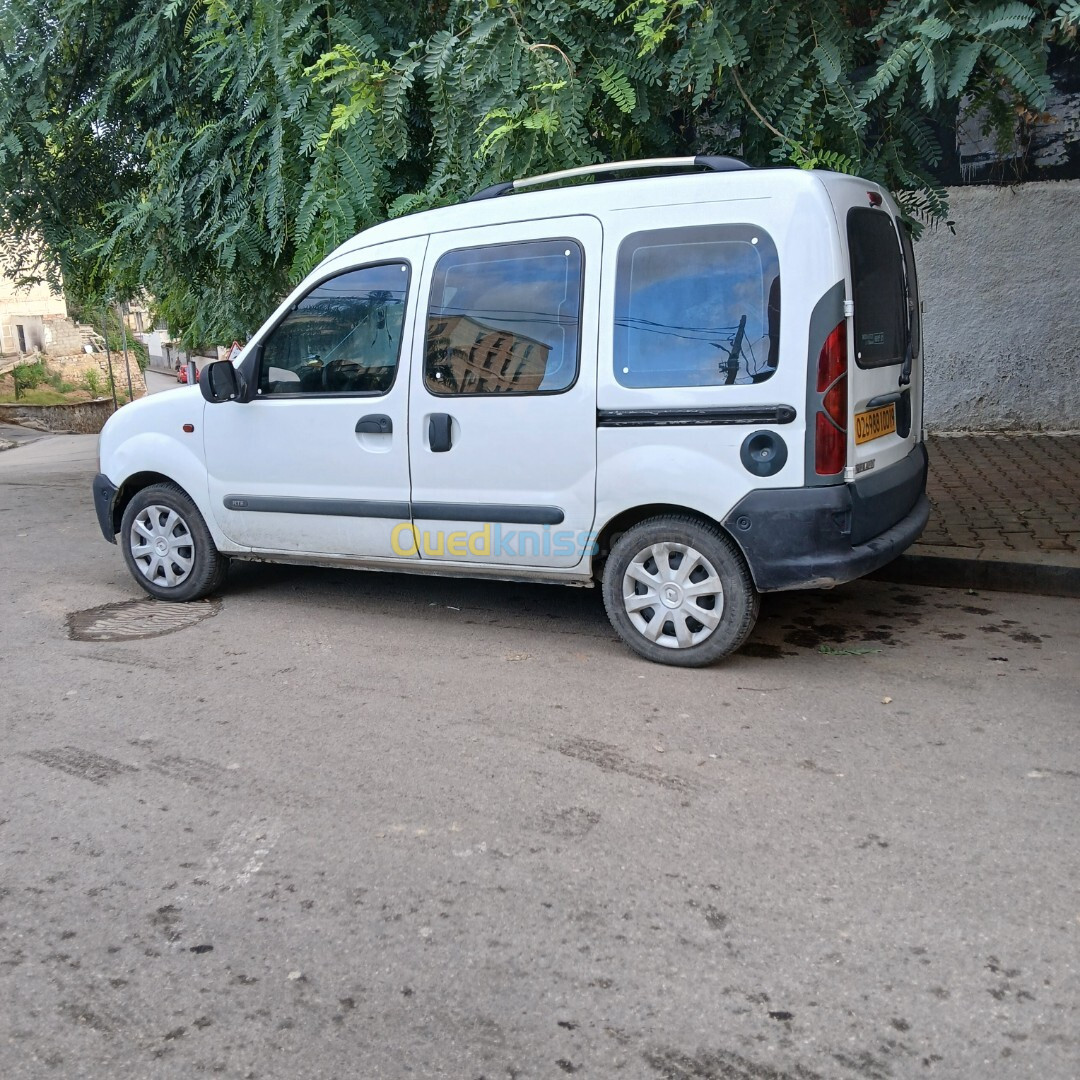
(158, 548)
(716, 569)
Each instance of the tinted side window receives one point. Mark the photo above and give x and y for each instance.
(914, 307)
(344, 337)
(877, 277)
(697, 306)
(504, 319)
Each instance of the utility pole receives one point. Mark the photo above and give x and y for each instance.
(123, 336)
(732, 363)
(108, 355)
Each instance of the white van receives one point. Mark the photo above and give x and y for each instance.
(693, 383)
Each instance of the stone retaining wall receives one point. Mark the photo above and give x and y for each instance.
(81, 418)
(75, 366)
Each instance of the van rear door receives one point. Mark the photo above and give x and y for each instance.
(884, 373)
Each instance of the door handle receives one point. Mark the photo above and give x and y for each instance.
(439, 427)
(374, 424)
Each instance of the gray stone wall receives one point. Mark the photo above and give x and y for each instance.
(81, 418)
(1002, 297)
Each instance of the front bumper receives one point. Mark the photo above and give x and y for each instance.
(809, 538)
(104, 498)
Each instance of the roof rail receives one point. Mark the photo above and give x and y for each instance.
(704, 161)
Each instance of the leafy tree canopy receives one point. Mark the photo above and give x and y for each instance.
(212, 151)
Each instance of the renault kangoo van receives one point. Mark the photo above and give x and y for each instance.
(684, 380)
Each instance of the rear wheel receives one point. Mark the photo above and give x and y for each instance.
(678, 591)
(167, 546)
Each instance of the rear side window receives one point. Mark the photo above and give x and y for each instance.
(878, 288)
(914, 306)
(697, 306)
(504, 319)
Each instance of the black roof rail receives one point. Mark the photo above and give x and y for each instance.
(703, 161)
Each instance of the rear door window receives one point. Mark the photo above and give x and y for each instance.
(505, 319)
(697, 306)
(914, 306)
(878, 288)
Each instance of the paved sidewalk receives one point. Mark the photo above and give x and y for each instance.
(1006, 515)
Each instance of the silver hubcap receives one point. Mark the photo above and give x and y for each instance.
(162, 546)
(673, 595)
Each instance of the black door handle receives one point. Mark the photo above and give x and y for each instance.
(439, 426)
(374, 424)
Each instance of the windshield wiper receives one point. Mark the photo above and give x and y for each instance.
(905, 371)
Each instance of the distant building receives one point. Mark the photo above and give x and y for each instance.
(24, 315)
(473, 358)
(35, 319)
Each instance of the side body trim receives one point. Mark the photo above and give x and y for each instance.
(721, 414)
(510, 515)
(402, 511)
(272, 504)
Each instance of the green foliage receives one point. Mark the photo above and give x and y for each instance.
(37, 396)
(92, 381)
(212, 153)
(27, 376)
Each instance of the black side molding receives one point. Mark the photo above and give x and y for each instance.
(721, 414)
(360, 508)
(501, 512)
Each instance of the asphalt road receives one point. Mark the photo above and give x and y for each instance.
(156, 381)
(362, 825)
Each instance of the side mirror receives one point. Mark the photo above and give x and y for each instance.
(220, 381)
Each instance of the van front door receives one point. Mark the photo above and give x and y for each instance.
(503, 395)
(318, 461)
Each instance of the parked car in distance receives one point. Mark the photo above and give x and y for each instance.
(182, 374)
(600, 385)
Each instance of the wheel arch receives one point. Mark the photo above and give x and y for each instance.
(132, 486)
(631, 516)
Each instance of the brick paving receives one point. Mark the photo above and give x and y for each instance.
(1012, 493)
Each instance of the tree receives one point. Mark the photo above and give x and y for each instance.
(213, 153)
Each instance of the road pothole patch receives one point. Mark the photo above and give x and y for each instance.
(132, 619)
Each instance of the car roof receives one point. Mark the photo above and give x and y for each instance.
(604, 197)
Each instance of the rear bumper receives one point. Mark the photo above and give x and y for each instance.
(104, 497)
(807, 538)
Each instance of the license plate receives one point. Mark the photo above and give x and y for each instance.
(874, 423)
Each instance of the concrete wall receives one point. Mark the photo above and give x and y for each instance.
(155, 341)
(1002, 322)
(33, 336)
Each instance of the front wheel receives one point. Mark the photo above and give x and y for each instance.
(678, 591)
(167, 546)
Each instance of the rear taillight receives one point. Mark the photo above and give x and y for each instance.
(830, 429)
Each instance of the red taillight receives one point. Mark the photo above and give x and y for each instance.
(830, 431)
(830, 447)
